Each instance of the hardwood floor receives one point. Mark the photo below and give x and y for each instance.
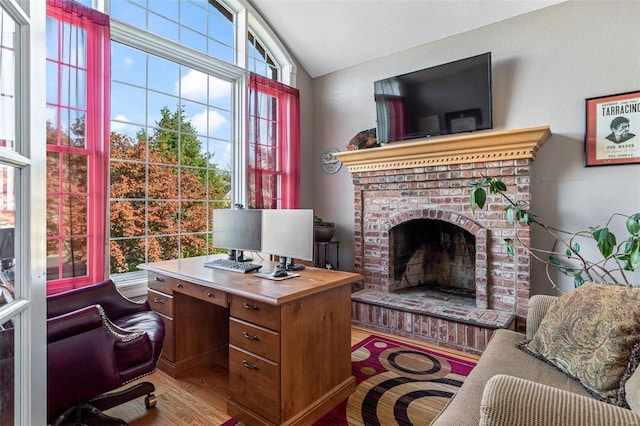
(200, 398)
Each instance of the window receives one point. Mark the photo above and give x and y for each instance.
(177, 133)
(171, 155)
(273, 145)
(22, 237)
(260, 61)
(77, 94)
(204, 26)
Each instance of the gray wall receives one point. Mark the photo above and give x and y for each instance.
(545, 64)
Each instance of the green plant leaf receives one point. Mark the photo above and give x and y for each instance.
(578, 280)
(606, 241)
(634, 255)
(576, 248)
(511, 213)
(511, 248)
(498, 186)
(554, 260)
(569, 253)
(633, 224)
(478, 197)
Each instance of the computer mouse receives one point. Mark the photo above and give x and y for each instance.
(279, 272)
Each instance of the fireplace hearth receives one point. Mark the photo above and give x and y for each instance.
(433, 270)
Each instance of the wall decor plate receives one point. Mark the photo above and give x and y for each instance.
(329, 163)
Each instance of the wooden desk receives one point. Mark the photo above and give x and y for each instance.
(286, 343)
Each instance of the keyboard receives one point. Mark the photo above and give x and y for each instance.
(232, 265)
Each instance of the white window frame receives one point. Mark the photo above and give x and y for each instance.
(29, 309)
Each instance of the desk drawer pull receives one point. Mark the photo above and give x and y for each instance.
(251, 307)
(250, 337)
(249, 366)
(158, 300)
(209, 294)
(179, 285)
(160, 279)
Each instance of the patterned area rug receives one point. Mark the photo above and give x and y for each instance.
(397, 384)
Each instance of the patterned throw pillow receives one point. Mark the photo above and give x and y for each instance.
(589, 334)
(629, 391)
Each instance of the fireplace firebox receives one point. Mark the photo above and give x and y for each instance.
(432, 255)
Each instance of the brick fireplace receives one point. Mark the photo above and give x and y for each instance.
(433, 270)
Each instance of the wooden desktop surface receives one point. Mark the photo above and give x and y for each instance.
(311, 280)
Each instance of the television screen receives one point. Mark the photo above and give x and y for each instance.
(237, 229)
(449, 98)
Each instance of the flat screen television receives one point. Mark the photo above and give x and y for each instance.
(450, 98)
(237, 230)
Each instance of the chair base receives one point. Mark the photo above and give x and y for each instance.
(92, 411)
(109, 400)
(97, 405)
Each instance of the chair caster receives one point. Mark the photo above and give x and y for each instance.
(150, 401)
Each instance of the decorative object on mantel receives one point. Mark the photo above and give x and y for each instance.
(565, 253)
(610, 137)
(362, 140)
(323, 231)
(330, 164)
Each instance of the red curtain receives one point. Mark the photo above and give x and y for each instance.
(274, 144)
(96, 49)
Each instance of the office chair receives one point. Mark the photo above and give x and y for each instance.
(98, 341)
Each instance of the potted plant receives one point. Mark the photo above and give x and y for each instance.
(322, 231)
(565, 255)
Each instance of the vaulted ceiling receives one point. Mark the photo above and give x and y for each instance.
(329, 35)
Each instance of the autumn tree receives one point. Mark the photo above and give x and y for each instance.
(164, 193)
(67, 209)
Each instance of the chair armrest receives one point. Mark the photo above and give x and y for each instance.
(509, 400)
(536, 310)
(83, 320)
(74, 323)
(104, 293)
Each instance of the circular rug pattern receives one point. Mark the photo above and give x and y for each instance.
(399, 385)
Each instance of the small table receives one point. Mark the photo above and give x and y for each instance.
(325, 248)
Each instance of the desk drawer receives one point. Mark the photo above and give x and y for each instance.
(208, 294)
(160, 282)
(254, 382)
(258, 340)
(161, 302)
(168, 348)
(255, 312)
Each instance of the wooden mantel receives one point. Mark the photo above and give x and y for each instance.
(451, 149)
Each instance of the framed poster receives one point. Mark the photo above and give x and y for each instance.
(612, 125)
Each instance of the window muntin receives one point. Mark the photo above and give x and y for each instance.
(171, 155)
(206, 27)
(260, 61)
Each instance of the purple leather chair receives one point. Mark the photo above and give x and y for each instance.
(98, 341)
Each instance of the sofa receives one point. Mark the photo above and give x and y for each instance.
(512, 385)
